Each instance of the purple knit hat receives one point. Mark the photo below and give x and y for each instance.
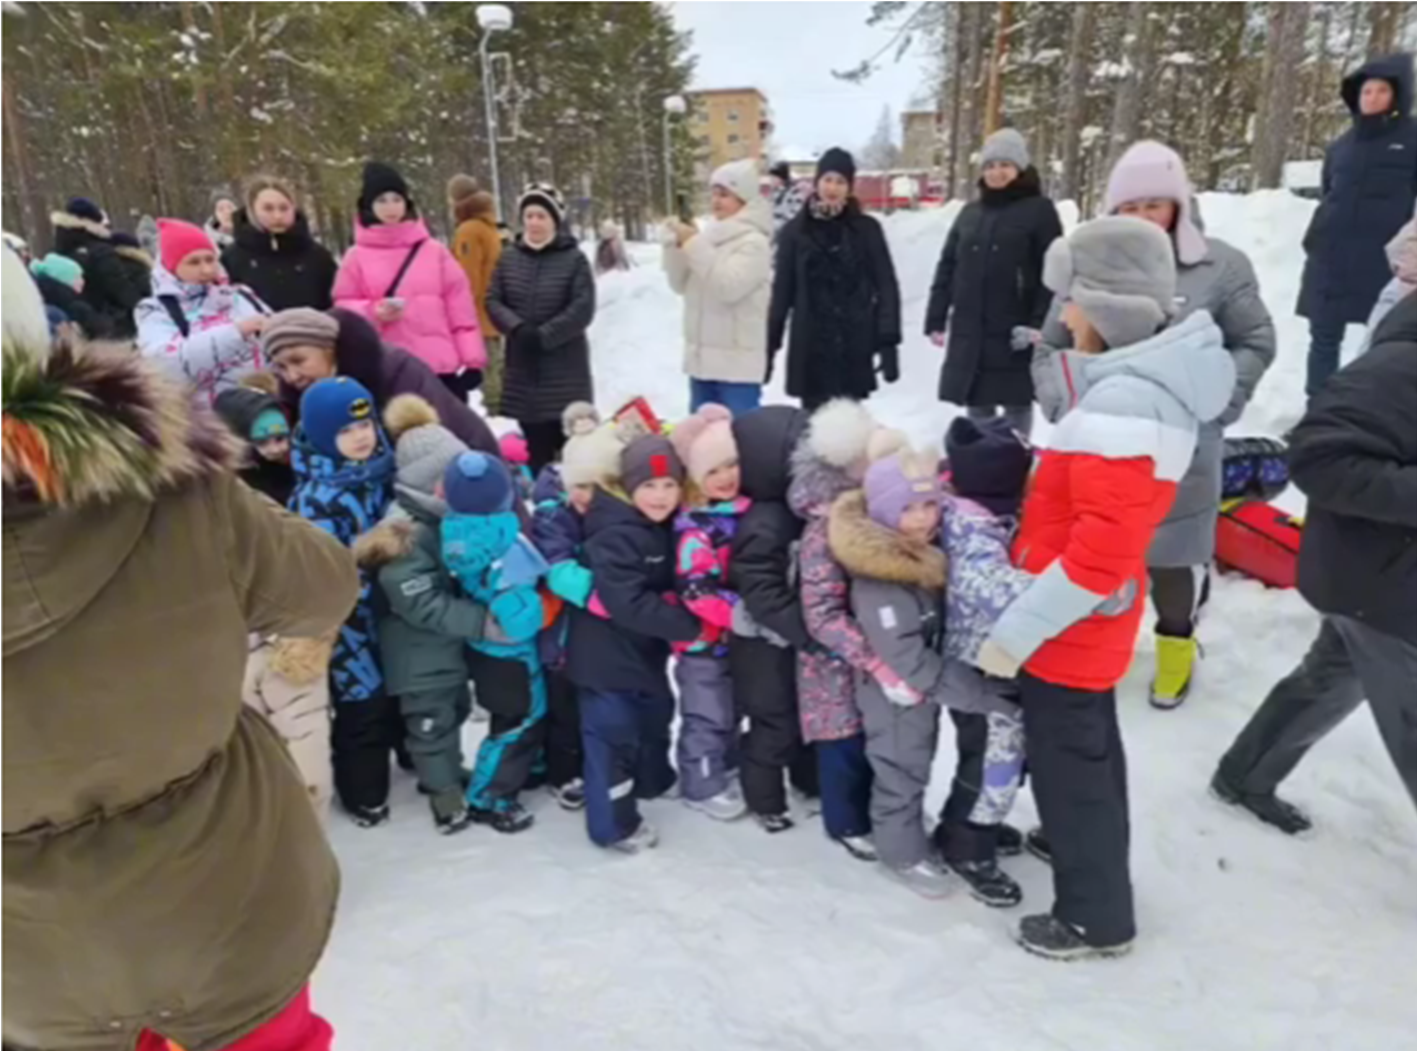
(896, 482)
(1150, 169)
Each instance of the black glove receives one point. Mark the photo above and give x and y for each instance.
(888, 363)
(528, 339)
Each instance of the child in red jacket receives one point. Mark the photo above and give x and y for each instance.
(1104, 482)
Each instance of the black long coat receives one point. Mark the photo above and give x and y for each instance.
(988, 281)
(285, 270)
(1368, 186)
(835, 280)
(551, 291)
(110, 287)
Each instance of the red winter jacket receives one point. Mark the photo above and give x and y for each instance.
(1100, 490)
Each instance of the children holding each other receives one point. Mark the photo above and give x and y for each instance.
(832, 459)
(256, 417)
(704, 531)
(619, 664)
(1106, 479)
(343, 467)
(496, 566)
(768, 619)
(425, 622)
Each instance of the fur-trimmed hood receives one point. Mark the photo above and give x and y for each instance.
(66, 221)
(391, 540)
(89, 424)
(301, 661)
(865, 548)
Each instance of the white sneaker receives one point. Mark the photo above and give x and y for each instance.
(927, 878)
(859, 847)
(643, 839)
(810, 806)
(722, 807)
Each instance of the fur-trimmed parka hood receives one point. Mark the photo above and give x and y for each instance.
(301, 661)
(391, 540)
(865, 548)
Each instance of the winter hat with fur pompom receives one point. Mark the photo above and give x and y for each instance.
(898, 480)
(838, 433)
(591, 457)
(579, 418)
(705, 441)
(423, 447)
(1121, 272)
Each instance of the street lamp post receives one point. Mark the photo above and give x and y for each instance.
(493, 18)
(674, 106)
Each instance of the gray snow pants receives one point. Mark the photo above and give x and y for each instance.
(901, 743)
(708, 727)
(433, 725)
(1347, 663)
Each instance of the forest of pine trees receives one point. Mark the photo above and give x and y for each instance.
(148, 107)
(1237, 88)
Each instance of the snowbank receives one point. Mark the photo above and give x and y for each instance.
(729, 938)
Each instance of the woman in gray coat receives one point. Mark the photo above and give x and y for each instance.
(1150, 181)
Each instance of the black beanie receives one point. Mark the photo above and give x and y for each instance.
(781, 171)
(83, 208)
(379, 178)
(837, 160)
(989, 462)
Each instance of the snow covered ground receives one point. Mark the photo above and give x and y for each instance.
(729, 938)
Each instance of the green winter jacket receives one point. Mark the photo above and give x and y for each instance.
(425, 624)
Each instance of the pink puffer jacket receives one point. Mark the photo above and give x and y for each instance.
(440, 322)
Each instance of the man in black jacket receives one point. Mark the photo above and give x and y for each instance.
(1353, 456)
(1368, 185)
(81, 232)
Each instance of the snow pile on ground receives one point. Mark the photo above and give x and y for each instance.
(727, 937)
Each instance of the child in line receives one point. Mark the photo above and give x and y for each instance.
(832, 459)
(989, 466)
(206, 331)
(256, 417)
(704, 531)
(884, 536)
(485, 551)
(425, 622)
(1107, 478)
(343, 466)
(768, 619)
(558, 530)
(61, 284)
(287, 681)
(619, 664)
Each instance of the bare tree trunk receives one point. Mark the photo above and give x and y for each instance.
(1127, 104)
(998, 53)
(1351, 48)
(1272, 135)
(19, 164)
(957, 62)
(1319, 74)
(972, 26)
(1384, 22)
(1076, 84)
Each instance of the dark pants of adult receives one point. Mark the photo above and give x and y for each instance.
(1326, 339)
(363, 735)
(462, 384)
(1079, 773)
(1348, 662)
(845, 777)
(765, 697)
(544, 441)
(1178, 594)
(564, 750)
(958, 838)
(1020, 417)
(626, 737)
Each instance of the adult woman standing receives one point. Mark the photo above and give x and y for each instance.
(130, 541)
(408, 284)
(273, 252)
(478, 246)
(221, 224)
(1150, 182)
(543, 298)
(988, 283)
(304, 346)
(724, 275)
(835, 280)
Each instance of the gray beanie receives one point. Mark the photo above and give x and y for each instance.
(298, 327)
(1122, 273)
(1005, 145)
(423, 447)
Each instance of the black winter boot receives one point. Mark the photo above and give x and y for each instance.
(1268, 807)
(989, 884)
(1044, 935)
(1037, 844)
(513, 818)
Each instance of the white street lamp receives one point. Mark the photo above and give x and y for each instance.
(675, 106)
(493, 18)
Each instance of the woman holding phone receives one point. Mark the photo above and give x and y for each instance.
(409, 285)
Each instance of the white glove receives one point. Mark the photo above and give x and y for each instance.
(992, 660)
(1023, 338)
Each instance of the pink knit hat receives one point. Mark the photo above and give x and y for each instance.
(705, 441)
(178, 239)
(1149, 169)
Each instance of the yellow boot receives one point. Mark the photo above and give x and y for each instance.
(1175, 657)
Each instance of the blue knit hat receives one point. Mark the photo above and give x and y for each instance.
(477, 484)
(330, 406)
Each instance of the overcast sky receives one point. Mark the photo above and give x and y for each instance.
(788, 51)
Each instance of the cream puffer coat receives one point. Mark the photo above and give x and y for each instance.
(286, 681)
(724, 274)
